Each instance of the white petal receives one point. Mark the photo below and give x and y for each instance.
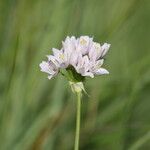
(84, 43)
(69, 44)
(56, 52)
(99, 63)
(88, 74)
(95, 51)
(50, 76)
(73, 58)
(86, 63)
(46, 68)
(92, 54)
(54, 60)
(101, 71)
(105, 48)
(61, 58)
(80, 70)
(80, 60)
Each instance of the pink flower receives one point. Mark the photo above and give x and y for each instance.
(83, 54)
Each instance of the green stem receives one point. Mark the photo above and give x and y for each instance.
(77, 135)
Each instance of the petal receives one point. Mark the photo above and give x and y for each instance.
(54, 60)
(84, 43)
(50, 76)
(46, 68)
(101, 71)
(99, 63)
(56, 52)
(86, 62)
(84, 40)
(69, 44)
(105, 48)
(73, 58)
(90, 74)
(80, 70)
(95, 51)
(80, 60)
(60, 57)
(92, 54)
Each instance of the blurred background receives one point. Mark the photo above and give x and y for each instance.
(39, 114)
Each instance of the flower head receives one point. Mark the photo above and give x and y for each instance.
(79, 57)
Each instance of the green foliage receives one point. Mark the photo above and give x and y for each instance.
(72, 75)
(39, 114)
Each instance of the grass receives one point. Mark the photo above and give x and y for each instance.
(38, 114)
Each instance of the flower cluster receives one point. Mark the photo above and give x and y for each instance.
(82, 54)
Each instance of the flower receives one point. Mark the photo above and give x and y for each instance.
(80, 56)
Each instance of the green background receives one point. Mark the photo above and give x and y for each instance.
(39, 114)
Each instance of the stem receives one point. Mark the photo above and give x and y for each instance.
(77, 135)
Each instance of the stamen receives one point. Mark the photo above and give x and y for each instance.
(83, 41)
(61, 56)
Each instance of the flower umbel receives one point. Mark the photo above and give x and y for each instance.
(78, 58)
(82, 57)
